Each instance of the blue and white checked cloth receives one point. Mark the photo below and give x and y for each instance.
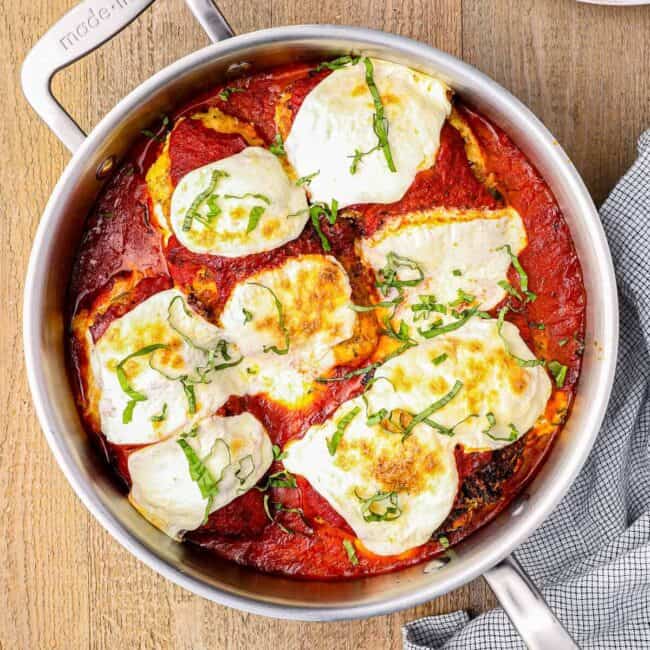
(591, 558)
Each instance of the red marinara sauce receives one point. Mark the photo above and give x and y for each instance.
(123, 260)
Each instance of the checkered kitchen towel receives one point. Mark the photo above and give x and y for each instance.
(591, 558)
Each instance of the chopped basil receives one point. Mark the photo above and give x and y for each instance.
(278, 454)
(492, 422)
(536, 326)
(509, 289)
(457, 272)
(200, 474)
(444, 542)
(386, 500)
(447, 431)
(389, 275)
(440, 358)
(162, 416)
(247, 195)
(224, 95)
(383, 304)
(523, 277)
(351, 552)
(563, 342)
(281, 322)
(305, 180)
(134, 395)
(277, 146)
(426, 306)
(248, 315)
(188, 389)
(558, 371)
(281, 479)
(341, 426)
(192, 433)
(246, 469)
(330, 212)
(379, 121)
(437, 329)
(338, 63)
(205, 197)
(462, 298)
(279, 507)
(157, 136)
(432, 408)
(524, 363)
(254, 218)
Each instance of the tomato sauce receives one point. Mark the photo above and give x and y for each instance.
(120, 245)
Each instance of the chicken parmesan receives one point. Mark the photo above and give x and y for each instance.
(326, 320)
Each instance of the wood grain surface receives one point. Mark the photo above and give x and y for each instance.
(64, 582)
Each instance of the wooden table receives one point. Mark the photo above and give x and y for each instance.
(64, 582)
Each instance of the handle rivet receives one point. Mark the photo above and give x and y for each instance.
(105, 168)
(238, 69)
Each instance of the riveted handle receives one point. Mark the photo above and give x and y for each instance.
(80, 31)
(526, 608)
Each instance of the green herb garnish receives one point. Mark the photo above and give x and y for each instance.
(523, 276)
(426, 306)
(134, 395)
(188, 389)
(305, 180)
(438, 329)
(224, 95)
(278, 454)
(162, 416)
(281, 479)
(558, 371)
(200, 474)
(281, 322)
(350, 550)
(254, 218)
(389, 275)
(249, 195)
(205, 197)
(277, 146)
(386, 500)
(248, 315)
(509, 289)
(432, 408)
(246, 469)
(341, 426)
(440, 358)
(379, 121)
(524, 363)
(338, 63)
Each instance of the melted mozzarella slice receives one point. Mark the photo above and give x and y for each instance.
(336, 120)
(150, 350)
(293, 314)
(491, 382)
(235, 451)
(395, 481)
(455, 250)
(239, 205)
(394, 495)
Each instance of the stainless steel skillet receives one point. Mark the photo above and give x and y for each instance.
(486, 552)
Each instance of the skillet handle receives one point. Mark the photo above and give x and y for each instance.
(80, 31)
(526, 608)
